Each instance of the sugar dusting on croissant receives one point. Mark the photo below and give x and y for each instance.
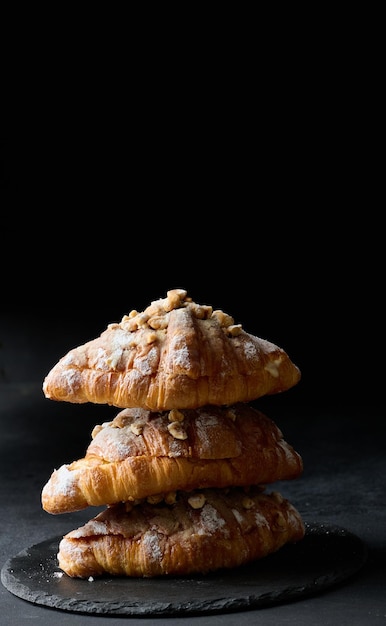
(198, 532)
(183, 468)
(141, 454)
(174, 354)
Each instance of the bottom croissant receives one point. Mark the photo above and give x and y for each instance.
(186, 533)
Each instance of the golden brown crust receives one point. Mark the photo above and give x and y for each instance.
(198, 533)
(142, 453)
(175, 354)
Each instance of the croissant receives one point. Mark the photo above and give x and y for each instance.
(142, 453)
(174, 354)
(197, 533)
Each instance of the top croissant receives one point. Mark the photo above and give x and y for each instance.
(176, 354)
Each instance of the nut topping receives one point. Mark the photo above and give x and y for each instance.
(197, 501)
(176, 429)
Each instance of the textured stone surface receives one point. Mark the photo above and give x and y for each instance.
(328, 555)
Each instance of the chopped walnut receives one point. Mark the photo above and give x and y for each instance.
(247, 503)
(122, 420)
(197, 501)
(171, 497)
(156, 315)
(137, 427)
(177, 430)
(151, 337)
(273, 367)
(155, 499)
(223, 318)
(174, 299)
(98, 427)
(201, 311)
(231, 414)
(96, 430)
(234, 330)
(112, 326)
(114, 359)
(175, 415)
(129, 324)
(279, 522)
(142, 318)
(277, 497)
(159, 322)
(126, 319)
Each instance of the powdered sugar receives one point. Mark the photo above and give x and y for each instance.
(114, 358)
(100, 360)
(250, 349)
(204, 419)
(181, 356)
(70, 378)
(134, 376)
(73, 550)
(144, 363)
(211, 521)
(63, 482)
(116, 444)
(238, 516)
(176, 448)
(267, 346)
(205, 422)
(260, 519)
(287, 451)
(150, 541)
(70, 358)
(121, 339)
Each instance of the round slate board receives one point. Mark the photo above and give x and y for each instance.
(325, 557)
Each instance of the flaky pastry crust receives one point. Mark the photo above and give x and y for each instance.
(198, 533)
(174, 354)
(143, 453)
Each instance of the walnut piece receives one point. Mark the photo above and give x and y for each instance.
(137, 427)
(175, 415)
(177, 430)
(247, 503)
(197, 501)
(156, 315)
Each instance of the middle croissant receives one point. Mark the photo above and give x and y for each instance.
(141, 453)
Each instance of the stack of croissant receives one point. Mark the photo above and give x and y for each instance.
(182, 469)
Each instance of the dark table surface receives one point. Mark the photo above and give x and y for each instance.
(343, 449)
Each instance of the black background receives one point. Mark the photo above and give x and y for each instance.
(259, 189)
(293, 249)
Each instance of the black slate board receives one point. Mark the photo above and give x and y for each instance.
(327, 556)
